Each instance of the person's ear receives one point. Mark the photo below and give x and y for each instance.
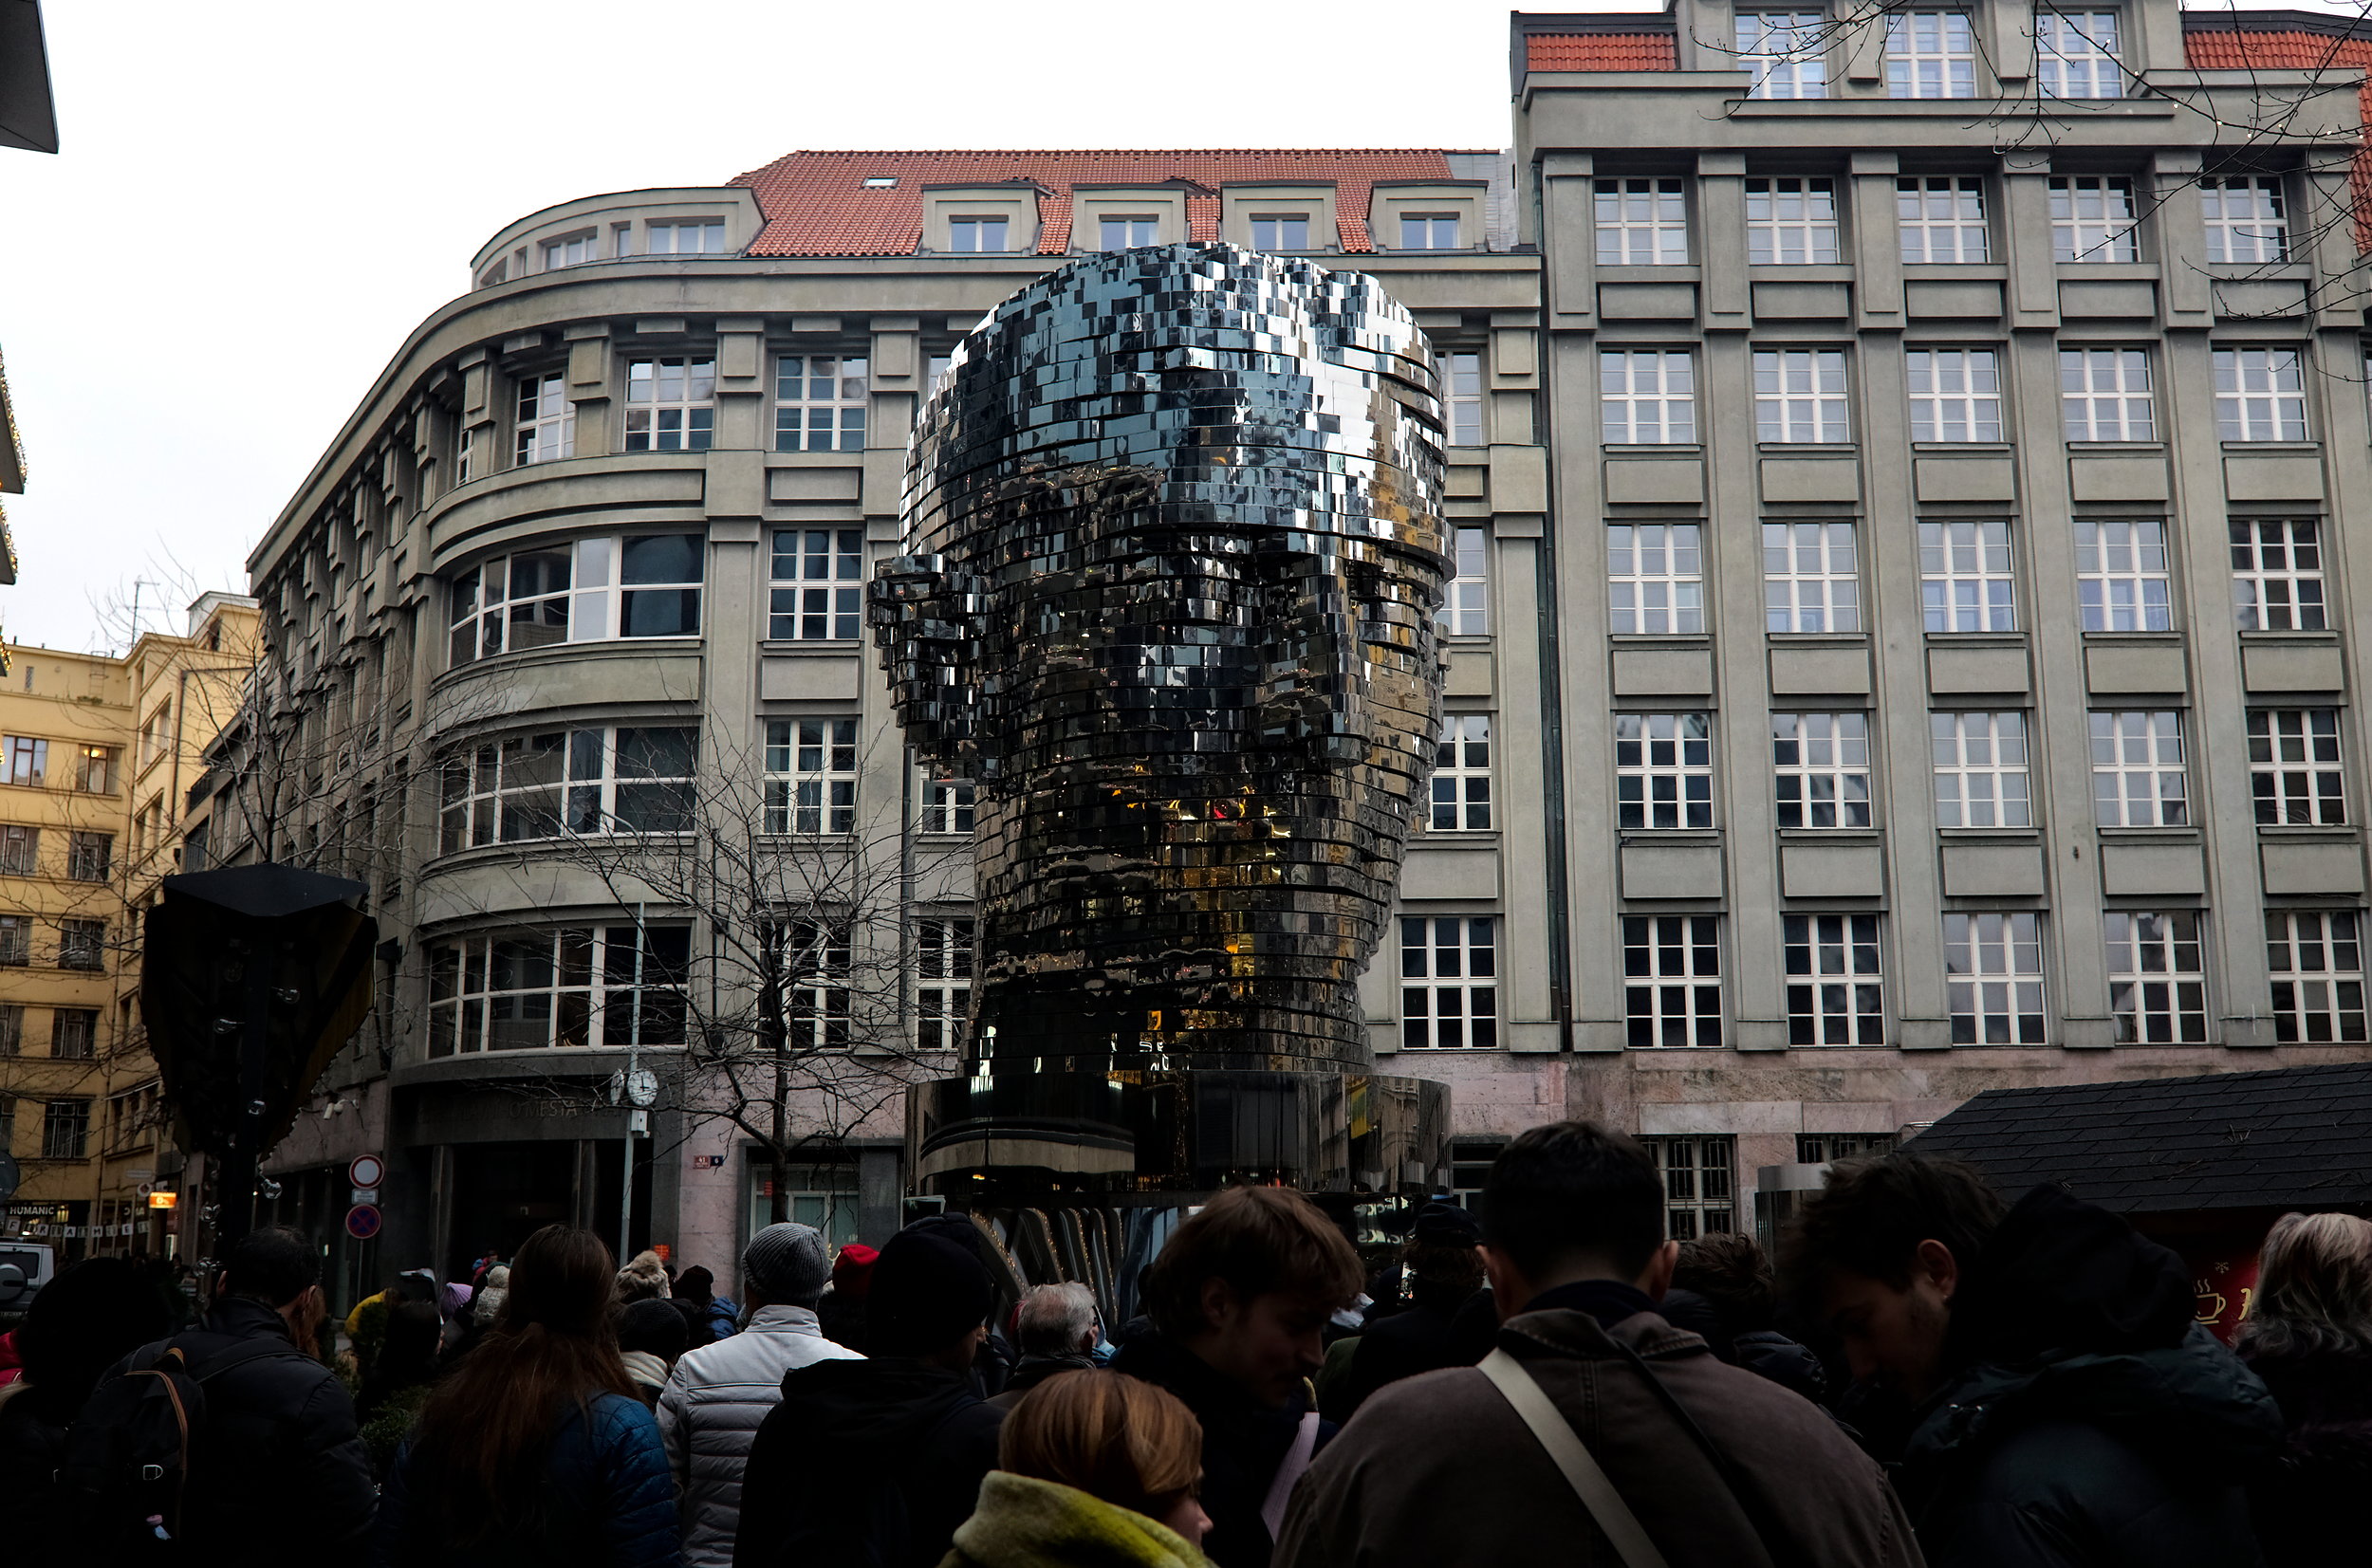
(1656, 1279)
(1509, 1290)
(1218, 1304)
(1941, 1268)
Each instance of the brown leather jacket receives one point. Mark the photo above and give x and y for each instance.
(1440, 1468)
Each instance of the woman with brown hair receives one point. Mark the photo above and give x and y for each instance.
(2308, 1335)
(534, 1448)
(1095, 1470)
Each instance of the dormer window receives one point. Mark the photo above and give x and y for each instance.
(974, 236)
(688, 237)
(575, 251)
(1429, 232)
(1280, 230)
(1127, 233)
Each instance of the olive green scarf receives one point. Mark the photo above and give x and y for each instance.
(1023, 1522)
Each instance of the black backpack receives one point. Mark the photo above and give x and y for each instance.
(125, 1470)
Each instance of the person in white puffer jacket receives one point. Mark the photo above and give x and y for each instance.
(710, 1411)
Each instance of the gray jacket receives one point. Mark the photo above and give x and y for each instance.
(709, 1415)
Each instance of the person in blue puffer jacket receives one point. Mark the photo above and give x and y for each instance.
(534, 1451)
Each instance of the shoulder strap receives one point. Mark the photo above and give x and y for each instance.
(1289, 1470)
(1581, 1471)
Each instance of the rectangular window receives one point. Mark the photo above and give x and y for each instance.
(1812, 578)
(12, 1031)
(2121, 576)
(1994, 978)
(976, 236)
(671, 404)
(464, 455)
(2104, 395)
(643, 585)
(1930, 54)
(1663, 769)
(2075, 54)
(947, 805)
(1124, 234)
(65, 1130)
(1980, 762)
(1799, 395)
(1466, 604)
(16, 940)
(547, 420)
(82, 944)
(28, 760)
(2317, 962)
(573, 252)
(574, 985)
(88, 855)
(1786, 51)
(74, 1033)
(1791, 222)
(2277, 574)
(20, 850)
(1699, 1185)
(1828, 1148)
(1429, 232)
(1942, 218)
(818, 585)
(818, 959)
(1655, 577)
(811, 775)
(2156, 982)
(1462, 774)
(2294, 769)
(1647, 395)
(1643, 222)
(1448, 983)
(1280, 231)
(942, 984)
(569, 781)
(2260, 394)
(95, 769)
(687, 237)
(1965, 582)
(2092, 218)
(1672, 980)
(2137, 774)
(1463, 398)
(2245, 219)
(1835, 988)
(820, 402)
(1956, 394)
(1820, 763)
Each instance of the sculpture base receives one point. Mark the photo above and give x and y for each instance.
(1109, 1137)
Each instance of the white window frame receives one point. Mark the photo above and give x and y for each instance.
(2261, 394)
(2277, 574)
(2247, 218)
(2297, 772)
(89, 855)
(572, 250)
(1812, 578)
(1671, 984)
(1968, 576)
(1787, 51)
(1699, 1177)
(593, 977)
(1431, 230)
(967, 235)
(585, 597)
(1466, 597)
(1656, 579)
(1647, 396)
(1137, 230)
(74, 1033)
(1836, 979)
(942, 982)
(1981, 762)
(16, 940)
(1462, 397)
(1641, 221)
(677, 230)
(1448, 983)
(1285, 232)
(1800, 396)
(2124, 580)
(1995, 982)
(2140, 767)
(20, 850)
(2094, 219)
(82, 944)
(1663, 771)
(592, 781)
(949, 805)
(546, 428)
(2156, 976)
(2107, 395)
(1955, 392)
(2316, 959)
(819, 960)
(820, 401)
(1461, 775)
(811, 768)
(2077, 54)
(1821, 768)
(66, 1128)
(1930, 53)
(1792, 221)
(1941, 220)
(671, 403)
(817, 585)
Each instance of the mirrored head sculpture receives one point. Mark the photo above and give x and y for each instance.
(1174, 547)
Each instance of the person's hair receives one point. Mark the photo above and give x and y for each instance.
(656, 1327)
(695, 1285)
(2313, 1288)
(643, 1278)
(90, 1316)
(1457, 1269)
(1051, 1319)
(1107, 1434)
(407, 1353)
(483, 1435)
(1574, 1190)
(1730, 1270)
(273, 1264)
(1260, 1240)
(1874, 1213)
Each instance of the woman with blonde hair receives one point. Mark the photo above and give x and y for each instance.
(1095, 1470)
(2308, 1335)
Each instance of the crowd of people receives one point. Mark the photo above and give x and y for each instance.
(1933, 1372)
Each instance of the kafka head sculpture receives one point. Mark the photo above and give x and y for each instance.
(1173, 535)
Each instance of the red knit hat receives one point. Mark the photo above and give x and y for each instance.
(852, 1271)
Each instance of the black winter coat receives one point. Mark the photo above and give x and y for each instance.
(2092, 1424)
(1421, 1337)
(32, 1445)
(2309, 1503)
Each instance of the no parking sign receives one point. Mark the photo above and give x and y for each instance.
(362, 1221)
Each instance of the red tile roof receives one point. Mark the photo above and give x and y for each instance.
(815, 204)
(2214, 48)
(1601, 51)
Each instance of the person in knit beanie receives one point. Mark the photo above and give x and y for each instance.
(645, 1278)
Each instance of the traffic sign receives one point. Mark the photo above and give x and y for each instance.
(366, 1170)
(362, 1221)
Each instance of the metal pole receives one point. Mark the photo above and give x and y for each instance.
(634, 1064)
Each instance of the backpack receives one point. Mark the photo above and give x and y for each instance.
(125, 1470)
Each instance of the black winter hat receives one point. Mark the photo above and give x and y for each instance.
(929, 1288)
(1446, 1224)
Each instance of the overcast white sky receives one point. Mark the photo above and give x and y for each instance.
(256, 201)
